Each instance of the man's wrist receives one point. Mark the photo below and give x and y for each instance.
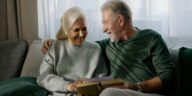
(139, 87)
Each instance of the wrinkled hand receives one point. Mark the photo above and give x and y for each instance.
(72, 87)
(46, 45)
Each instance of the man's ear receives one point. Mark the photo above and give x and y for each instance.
(121, 20)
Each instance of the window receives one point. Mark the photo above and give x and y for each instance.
(171, 18)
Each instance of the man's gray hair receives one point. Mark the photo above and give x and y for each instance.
(118, 6)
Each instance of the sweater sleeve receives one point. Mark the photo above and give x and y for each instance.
(48, 78)
(104, 60)
(101, 69)
(161, 59)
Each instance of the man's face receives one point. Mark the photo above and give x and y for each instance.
(110, 25)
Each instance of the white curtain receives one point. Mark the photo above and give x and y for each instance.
(171, 18)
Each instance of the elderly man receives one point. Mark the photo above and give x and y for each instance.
(139, 57)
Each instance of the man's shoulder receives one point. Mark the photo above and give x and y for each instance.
(103, 42)
(148, 33)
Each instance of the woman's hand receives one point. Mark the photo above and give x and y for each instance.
(72, 87)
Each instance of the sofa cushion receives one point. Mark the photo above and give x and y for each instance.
(24, 86)
(185, 68)
(33, 60)
(12, 56)
(174, 84)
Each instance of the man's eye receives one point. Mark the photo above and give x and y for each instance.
(84, 29)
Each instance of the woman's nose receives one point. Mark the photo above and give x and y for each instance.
(81, 34)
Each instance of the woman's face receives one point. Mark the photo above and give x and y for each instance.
(78, 32)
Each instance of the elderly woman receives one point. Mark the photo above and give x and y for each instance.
(70, 58)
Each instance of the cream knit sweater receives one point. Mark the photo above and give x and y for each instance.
(65, 63)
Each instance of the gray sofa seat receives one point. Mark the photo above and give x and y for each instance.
(12, 56)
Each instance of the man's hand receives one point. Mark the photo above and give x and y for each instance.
(46, 45)
(128, 86)
(151, 85)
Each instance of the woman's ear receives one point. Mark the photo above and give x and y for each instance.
(121, 20)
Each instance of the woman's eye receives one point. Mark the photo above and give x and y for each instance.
(76, 30)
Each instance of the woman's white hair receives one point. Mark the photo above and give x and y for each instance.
(119, 7)
(67, 20)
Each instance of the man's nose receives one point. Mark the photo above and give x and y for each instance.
(104, 29)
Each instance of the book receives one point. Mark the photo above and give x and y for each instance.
(93, 87)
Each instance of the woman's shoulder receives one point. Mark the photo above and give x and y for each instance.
(58, 42)
(92, 45)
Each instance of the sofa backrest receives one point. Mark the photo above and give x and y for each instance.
(175, 82)
(182, 59)
(12, 56)
(185, 70)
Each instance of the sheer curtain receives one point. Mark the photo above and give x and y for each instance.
(180, 21)
(171, 18)
(50, 12)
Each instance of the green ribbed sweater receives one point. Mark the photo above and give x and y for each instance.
(142, 57)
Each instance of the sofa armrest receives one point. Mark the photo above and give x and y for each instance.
(12, 56)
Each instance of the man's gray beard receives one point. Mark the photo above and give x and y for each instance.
(113, 40)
